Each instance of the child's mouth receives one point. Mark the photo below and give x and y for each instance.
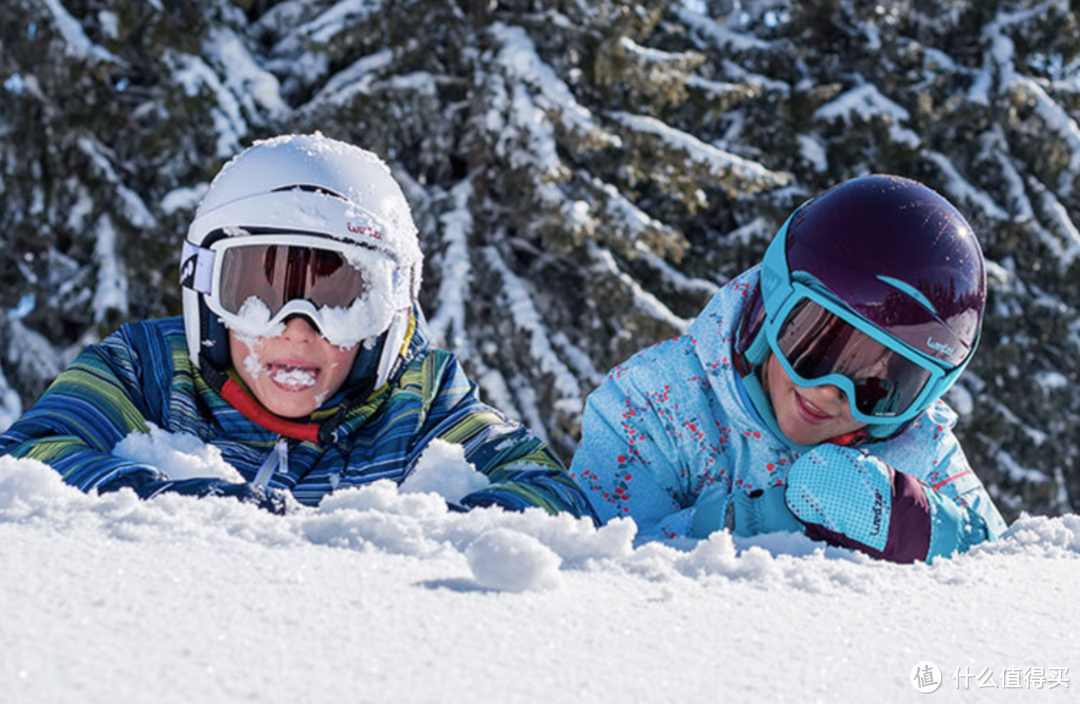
(293, 377)
(809, 412)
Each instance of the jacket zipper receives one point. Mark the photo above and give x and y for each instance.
(277, 460)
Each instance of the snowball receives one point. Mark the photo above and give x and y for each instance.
(443, 470)
(506, 560)
(177, 455)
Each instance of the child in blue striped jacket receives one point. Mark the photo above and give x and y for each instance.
(302, 353)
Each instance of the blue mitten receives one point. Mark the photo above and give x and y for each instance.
(849, 498)
(844, 492)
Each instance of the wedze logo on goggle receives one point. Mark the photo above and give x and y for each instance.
(939, 346)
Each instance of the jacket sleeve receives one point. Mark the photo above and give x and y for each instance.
(947, 472)
(88, 409)
(931, 454)
(522, 470)
(628, 465)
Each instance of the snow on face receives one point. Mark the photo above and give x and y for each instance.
(252, 363)
(294, 377)
(253, 320)
(293, 373)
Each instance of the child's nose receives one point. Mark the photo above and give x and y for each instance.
(831, 394)
(299, 329)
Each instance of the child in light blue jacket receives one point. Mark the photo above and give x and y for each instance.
(806, 396)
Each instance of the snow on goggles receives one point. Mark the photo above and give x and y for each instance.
(820, 342)
(254, 283)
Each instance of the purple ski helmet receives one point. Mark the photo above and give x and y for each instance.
(896, 255)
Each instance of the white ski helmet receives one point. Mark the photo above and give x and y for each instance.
(291, 189)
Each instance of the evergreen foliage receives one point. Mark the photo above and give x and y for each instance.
(585, 173)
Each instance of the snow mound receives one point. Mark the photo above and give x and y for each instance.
(1050, 537)
(502, 550)
(507, 560)
(374, 576)
(29, 489)
(177, 455)
(442, 469)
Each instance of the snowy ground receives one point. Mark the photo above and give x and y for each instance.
(379, 596)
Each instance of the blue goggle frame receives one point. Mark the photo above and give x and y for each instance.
(939, 381)
(781, 294)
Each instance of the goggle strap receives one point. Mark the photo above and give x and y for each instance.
(197, 268)
(758, 351)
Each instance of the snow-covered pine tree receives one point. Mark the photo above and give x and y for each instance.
(585, 174)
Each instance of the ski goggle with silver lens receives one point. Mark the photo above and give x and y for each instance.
(278, 273)
(254, 283)
(820, 342)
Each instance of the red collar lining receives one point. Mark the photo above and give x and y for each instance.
(235, 394)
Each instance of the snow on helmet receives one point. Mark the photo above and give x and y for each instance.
(305, 191)
(877, 271)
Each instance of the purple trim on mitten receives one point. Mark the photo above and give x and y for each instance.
(909, 525)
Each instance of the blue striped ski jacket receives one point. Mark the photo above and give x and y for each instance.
(142, 374)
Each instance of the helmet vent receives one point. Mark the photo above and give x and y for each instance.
(911, 291)
(310, 188)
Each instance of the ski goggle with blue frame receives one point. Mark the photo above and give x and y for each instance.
(818, 341)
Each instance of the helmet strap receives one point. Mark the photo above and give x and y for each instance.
(215, 338)
(397, 338)
(751, 344)
(885, 431)
(362, 375)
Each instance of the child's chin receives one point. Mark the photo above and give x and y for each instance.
(302, 405)
(798, 434)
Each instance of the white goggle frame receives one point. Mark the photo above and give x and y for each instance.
(370, 315)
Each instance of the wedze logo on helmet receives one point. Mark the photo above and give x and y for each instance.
(366, 230)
